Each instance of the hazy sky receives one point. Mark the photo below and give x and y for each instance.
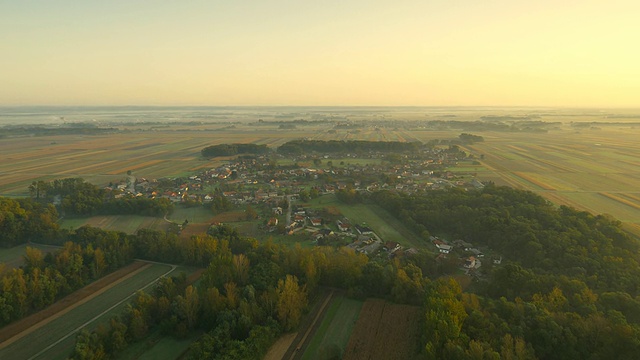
(329, 52)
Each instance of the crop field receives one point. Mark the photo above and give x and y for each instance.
(54, 339)
(125, 223)
(385, 331)
(593, 170)
(332, 336)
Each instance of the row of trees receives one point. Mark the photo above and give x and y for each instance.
(23, 220)
(570, 275)
(296, 147)
(248, 294)
(233, 149)
(78, 197)
(46, 278)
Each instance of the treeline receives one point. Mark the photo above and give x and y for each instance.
(43, 279)
(295, 147)
(249, 294)
(46, 130)
(80, 198)
(470, 138)
(568, 275)
(233, 149)
(22, 220)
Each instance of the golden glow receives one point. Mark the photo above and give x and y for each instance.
(285, 52)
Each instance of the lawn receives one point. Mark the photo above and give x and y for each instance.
(332, 336)
(98, 309)
(385, 226)
(196, 214)
(157, 347)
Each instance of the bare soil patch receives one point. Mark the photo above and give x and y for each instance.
(25, 326)
(233, 216)
(194, 229)
(385, 331)
(277, 350)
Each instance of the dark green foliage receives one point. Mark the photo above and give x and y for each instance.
(23, 220)
(294, 147)
(233, 149)
(470, 138)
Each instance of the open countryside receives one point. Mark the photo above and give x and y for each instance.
(595, 168)
(367, 235)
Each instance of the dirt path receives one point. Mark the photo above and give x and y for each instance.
(307, 329)
(21, 328)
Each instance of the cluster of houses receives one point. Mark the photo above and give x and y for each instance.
(258, 179)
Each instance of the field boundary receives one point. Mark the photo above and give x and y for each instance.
(24, 327)
(74, 331)
(296, 350)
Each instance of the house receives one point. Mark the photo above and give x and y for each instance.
(316, 221)
(444, 248)
(462, 243)
(273, 222)
(411, 251)
(391, 246)
(470, 262)
(325, 232)
(498, 261)
(363, 230)
(277, 210)
(343, 226)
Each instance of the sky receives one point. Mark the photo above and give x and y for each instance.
(332, 52)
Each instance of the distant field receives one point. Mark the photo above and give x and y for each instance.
(332, 336)
(593, 170)
(63, 329)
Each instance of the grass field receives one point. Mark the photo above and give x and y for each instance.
(332, 336)
(385, 226)
(157, 347)
(196, 214)
(125, 223)
(40, 343)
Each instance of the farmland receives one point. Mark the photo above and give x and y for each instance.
(593, 170)
(333, 334)
(385, 331)
(568, 165)
(54, 339)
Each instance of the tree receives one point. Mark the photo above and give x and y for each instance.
(292, 299)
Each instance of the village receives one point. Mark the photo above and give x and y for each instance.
(275, 189)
